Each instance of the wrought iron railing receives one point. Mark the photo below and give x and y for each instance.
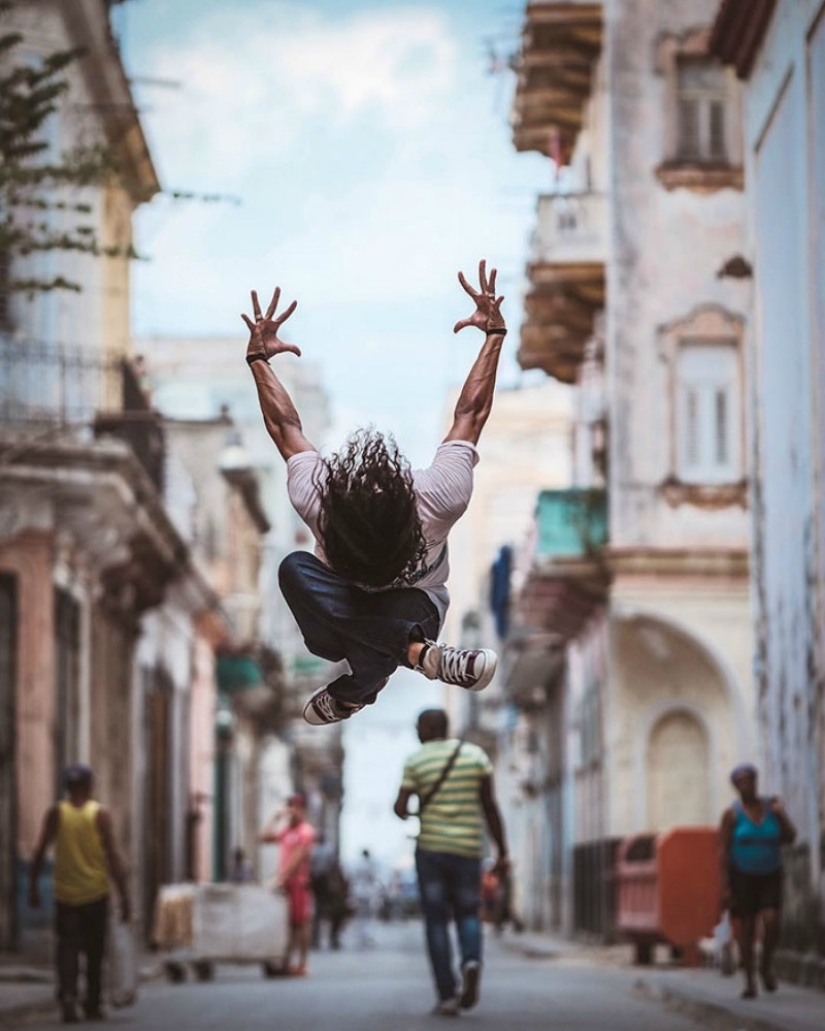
(49, 390)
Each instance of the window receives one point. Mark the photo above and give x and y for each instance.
(702, 124)
(707, 417)
(701, 110)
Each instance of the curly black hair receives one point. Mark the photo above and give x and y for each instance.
(369, 522)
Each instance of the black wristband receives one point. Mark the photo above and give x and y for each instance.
(257, 356)
(496, 331)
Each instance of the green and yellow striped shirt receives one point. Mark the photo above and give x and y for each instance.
(452, 821)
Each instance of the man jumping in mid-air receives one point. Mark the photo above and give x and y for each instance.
(374, 593)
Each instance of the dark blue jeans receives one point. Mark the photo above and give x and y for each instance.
(370, 630)
(450, 888)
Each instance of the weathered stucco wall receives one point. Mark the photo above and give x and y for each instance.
(666, 247)
(785, 151)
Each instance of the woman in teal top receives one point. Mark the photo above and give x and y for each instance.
(753, 832)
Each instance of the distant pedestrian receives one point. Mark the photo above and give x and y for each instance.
(453, 780)
(321, 864)
(374, 593)
(290, 829)
(85, 857)
(752, 833)
(340, 905)
(241, 871)
(365, 888)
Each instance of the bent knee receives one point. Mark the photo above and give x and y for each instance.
(292, 568)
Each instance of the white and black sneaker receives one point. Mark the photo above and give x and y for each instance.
(470, 668)
(470, 979)
(322, 708)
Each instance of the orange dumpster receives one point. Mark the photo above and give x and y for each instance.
(668, 888)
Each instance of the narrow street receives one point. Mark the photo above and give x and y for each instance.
(389, 987)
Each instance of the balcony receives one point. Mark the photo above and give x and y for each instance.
(571, 229)
(568, 580)
(48, 392)
(560, 312)
(561, 43)
(571, 523)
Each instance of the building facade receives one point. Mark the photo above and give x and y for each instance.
(634, 634)
(777, 49)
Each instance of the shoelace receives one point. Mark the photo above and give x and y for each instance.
(453, 668)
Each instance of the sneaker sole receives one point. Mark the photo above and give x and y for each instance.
(471, 977)
(314, 720)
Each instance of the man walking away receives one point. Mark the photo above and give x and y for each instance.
(85, 857)
(453, 780)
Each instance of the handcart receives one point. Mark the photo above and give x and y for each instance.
(200, 925)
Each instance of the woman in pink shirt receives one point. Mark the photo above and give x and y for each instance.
(296, 840)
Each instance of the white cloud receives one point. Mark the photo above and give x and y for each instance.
(367, 165)
(249, 90)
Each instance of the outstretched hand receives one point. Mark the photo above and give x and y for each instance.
(263, 332)
(487, 315)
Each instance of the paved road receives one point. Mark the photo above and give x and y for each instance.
(389, 987)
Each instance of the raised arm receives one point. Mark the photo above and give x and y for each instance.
(475, 402)
(280, 415)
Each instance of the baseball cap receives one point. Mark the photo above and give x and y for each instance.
(298, 799)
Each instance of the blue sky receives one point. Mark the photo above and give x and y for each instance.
(371, 152)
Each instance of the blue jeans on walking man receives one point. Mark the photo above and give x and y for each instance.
(450, 888)
(371, 630)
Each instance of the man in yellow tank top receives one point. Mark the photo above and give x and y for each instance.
(85, 857)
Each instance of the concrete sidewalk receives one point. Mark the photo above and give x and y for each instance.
(704, 995)
(29, 990)
(24, 990)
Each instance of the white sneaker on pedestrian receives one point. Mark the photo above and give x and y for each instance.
(322, 709)
(470, 979)
(470, 668)
(447, 1008)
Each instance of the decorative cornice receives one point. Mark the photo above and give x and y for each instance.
(710, 497)
(701, 178)
(730, 563)
(738, 32)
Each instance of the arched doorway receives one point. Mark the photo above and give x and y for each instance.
(674, 724)
(678, 772)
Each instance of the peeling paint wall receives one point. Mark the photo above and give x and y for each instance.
(666, 248)
(785, 148)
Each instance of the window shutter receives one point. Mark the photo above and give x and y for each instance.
(690, 144)
(692, 428)
(716, 133)
(722, 443)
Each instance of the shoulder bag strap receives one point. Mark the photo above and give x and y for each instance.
(425, 801)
